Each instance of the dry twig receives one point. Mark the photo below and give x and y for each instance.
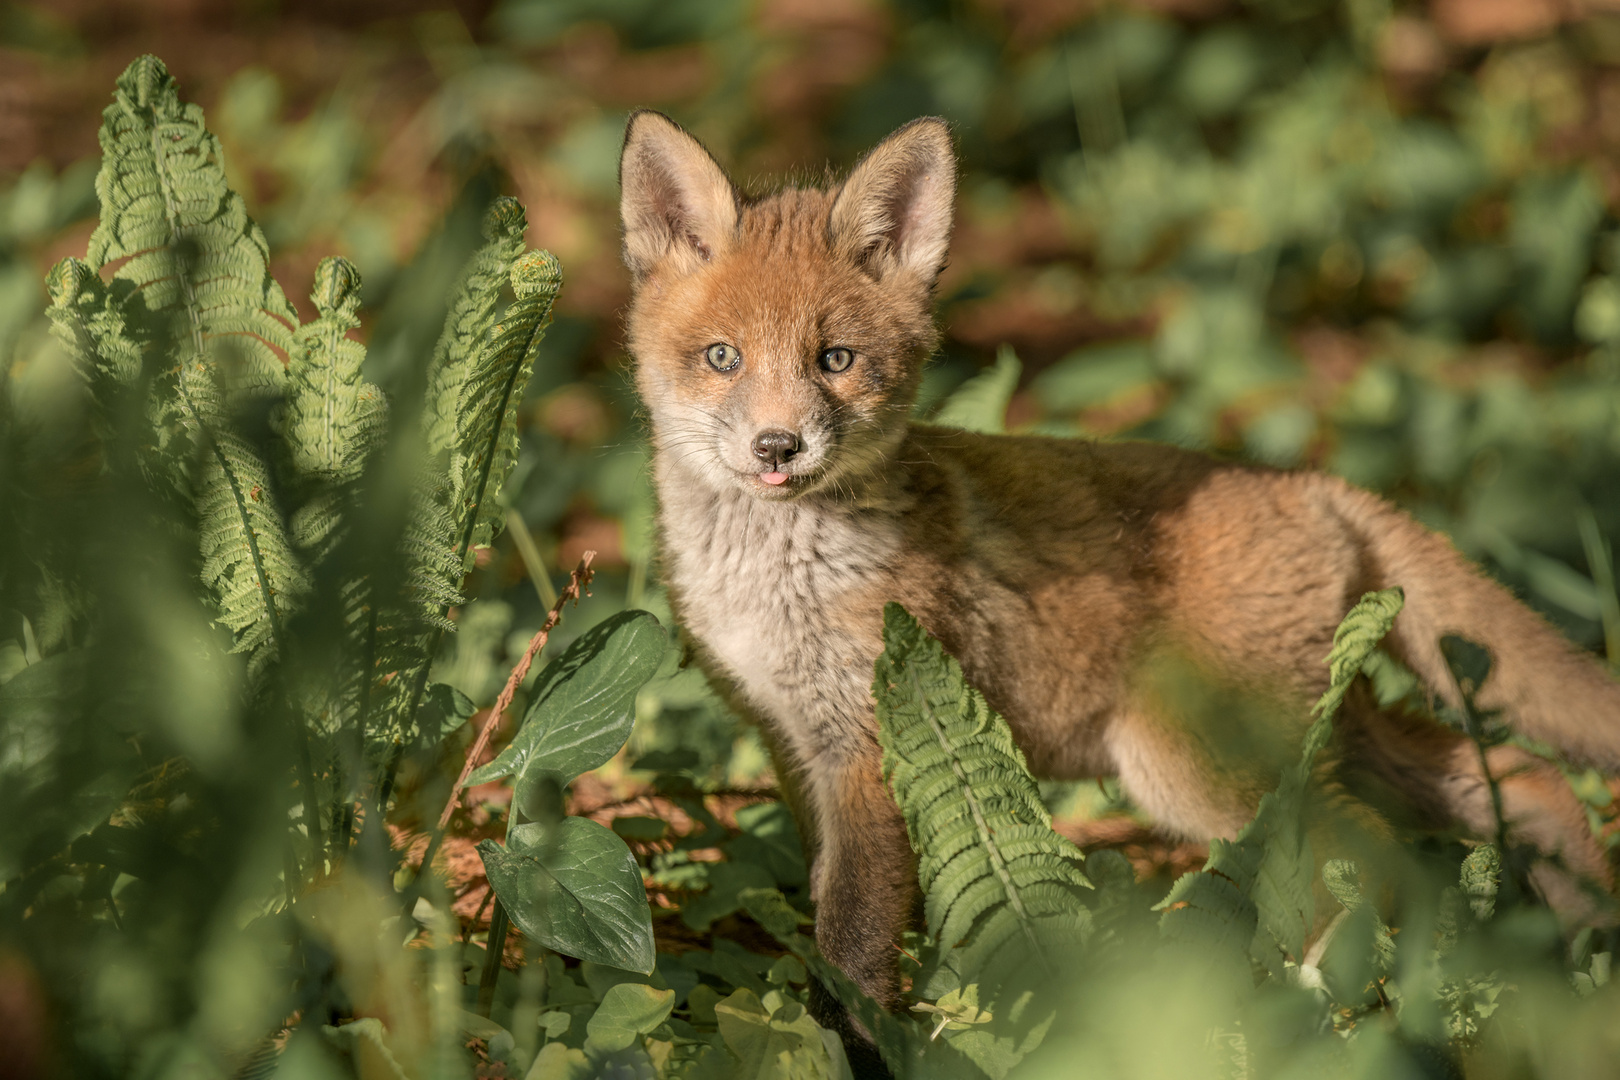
(579, 582)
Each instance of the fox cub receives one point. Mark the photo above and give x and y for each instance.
(1118, 603)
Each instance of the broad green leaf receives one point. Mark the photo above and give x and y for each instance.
(769, 839)
(574, 888)
(628, 1010)
(775, 1039)
(727, 881)
(584, 703)
(558, 1062)
(444, 709)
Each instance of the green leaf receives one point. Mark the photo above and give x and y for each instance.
(574, 888)
(444, 709)
(905, 1048)
(558, 1062)
(627, 1010)
(769, 839)
(980, 404)
(584, 704)
(775, 1038)
(727, 881)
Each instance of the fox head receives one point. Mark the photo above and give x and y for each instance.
(779, 341)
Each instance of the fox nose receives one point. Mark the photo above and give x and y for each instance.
(775, 447)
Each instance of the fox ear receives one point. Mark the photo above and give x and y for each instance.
(894, 211)
(674, 199)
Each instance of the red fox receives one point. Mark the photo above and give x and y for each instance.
(1110, 599)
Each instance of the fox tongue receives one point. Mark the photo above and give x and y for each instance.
(774, 477)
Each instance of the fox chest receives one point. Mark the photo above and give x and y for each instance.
(774, 595)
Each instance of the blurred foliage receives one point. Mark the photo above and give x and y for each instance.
(1370, 236)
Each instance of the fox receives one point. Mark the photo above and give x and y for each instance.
(1111, 599)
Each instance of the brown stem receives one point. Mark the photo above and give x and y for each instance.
(579, 581)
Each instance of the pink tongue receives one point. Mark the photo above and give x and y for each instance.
(774, 477)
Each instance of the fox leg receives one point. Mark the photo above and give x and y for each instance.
(1173, 780)
(1435, 779)
(864, 880)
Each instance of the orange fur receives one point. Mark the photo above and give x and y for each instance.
(1131, 609)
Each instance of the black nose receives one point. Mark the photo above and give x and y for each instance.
(775, 447)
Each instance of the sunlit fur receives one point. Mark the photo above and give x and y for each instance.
(1132, 609)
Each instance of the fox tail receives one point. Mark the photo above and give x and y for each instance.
(1546, 687)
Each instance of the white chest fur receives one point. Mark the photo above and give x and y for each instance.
(765, 587)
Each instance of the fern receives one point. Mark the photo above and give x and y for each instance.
(992, 870)
(1253, 896)
(1343, 880)
(191, 337)
(468, 323)
(488, 398)
(331, 423)
(197, 265)
(1480, 878)
(980, 404)
(332, 420)
(86, 319)
(469, 422)
(198, 289)
(248, 561)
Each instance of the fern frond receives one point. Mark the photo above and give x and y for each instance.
(1354, 643)
(468, 323)
(1256, 890)
(198, 286)
(469, 419)
(85, 318)
(1480, 878)
(333, 419)
(196, 261)
(476, 384)
(248, 560)
(980, 403)
(1343, 881)
(992, 870)
(490, 393)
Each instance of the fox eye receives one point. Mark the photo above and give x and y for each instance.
(722, 357)
(837, 359)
